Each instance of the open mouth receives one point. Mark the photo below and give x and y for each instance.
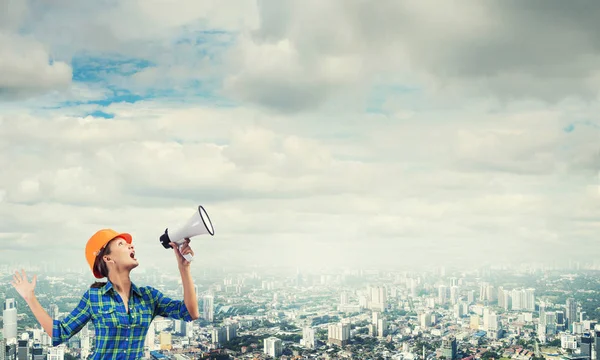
(132, 255)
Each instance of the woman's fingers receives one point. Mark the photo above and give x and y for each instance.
(187, 249)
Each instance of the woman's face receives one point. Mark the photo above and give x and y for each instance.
(122, 254)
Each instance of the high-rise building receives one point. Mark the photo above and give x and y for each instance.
(586, 345)
(209, 308)
(273, 347)
(377, 297)
(382, 327)
(454, 292)
(84, 335)
(183, 328)
(379, 325)
(338, 334)
(425, 319)
(522, 299)
(560, 321)
(231, 331)
(37, 352)
(442, 294)
(165, 340)
(571, 312)
(449, 348)
(23, 349)
(471, 296)
(219, 335)
(150, 337)
(56, 352)
(189, 329)
(2, 347)
(9, 316)
(458, 310)
(529, 303)
(568, 341)
(344, 298)
(488, 293)
(308, 335)
(517, 299)
(413, 285)
(53, 311)
(597, 343)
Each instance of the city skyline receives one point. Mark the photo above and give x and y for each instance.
(404, 134)
(406, 313)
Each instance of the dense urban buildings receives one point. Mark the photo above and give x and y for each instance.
(524, 313)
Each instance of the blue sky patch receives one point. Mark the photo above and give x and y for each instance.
(101, 114)
(113, 72)
(569, 128)
(100, 68)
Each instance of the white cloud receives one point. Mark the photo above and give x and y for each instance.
(133, 28)
(444, 173)
(511, 50)
(500, 182)
(25, 68)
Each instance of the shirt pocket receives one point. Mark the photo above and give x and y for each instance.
(107, 316)
(143, 317)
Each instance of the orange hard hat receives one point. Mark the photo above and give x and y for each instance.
(97, 242)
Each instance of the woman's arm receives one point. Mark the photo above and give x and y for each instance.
(59, 331)
(26, 290)
(40, 314)
(189, 293)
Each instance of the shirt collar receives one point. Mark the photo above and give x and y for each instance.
(109, 287)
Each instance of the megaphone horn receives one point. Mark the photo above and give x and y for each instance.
(198, 224)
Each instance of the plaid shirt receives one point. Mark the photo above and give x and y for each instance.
(119, 335)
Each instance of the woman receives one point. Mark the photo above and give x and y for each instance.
(120, 311)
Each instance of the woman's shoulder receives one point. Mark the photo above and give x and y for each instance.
(93, 293)
(147, 290)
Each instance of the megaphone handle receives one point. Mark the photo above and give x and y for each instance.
(188, 257)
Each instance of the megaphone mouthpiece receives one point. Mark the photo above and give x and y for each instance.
(164, 239)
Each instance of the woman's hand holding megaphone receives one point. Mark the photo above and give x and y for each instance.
(182, 250)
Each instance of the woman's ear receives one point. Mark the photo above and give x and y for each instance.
(107, 259)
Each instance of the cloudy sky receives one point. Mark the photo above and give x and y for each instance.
(411, 132)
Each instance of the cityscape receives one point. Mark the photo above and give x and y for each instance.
(526, 312)
(387, 180)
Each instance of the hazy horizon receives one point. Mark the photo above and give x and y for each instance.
(408, 133)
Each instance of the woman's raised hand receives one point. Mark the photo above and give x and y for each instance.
(22, 285)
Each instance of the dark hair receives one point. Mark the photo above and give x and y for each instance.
(100, 265)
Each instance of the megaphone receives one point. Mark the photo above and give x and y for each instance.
(198, 224)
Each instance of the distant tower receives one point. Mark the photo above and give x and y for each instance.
(571, 313)
(9, 315)
(53, 311)
(308, 334)
(586, 345)
(449, 348)
(209, 308)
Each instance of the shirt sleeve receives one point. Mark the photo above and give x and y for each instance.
(169, 308)
(63, 330)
